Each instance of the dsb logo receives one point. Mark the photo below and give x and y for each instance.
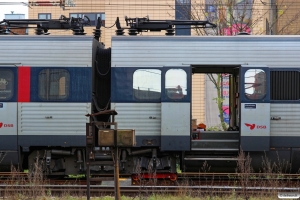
(6, 125)
(261, 126)
(253, 126)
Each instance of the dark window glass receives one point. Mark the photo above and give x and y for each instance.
(255, 84)
(6, 84)
(176, 83)
(54, 84)
(147, 84)
(92, 16)
(285, 85)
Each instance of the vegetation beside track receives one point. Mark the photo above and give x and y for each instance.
(246, 185)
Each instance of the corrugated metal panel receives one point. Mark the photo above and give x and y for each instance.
(277, 51)
(143, 117)
(48, 51)
(52, 118)
(289, 124)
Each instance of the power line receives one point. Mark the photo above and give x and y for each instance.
(135, 4)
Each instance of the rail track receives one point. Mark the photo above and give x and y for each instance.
(184, 179)
(97, 190)
(190, 183)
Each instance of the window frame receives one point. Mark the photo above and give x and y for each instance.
(48, 83)
(264, 82)
(140, 98)
(48, 15)
(11, 95)
(178, 91)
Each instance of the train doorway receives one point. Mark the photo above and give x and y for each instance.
(245, 90)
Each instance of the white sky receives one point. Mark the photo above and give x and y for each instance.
(18, 9)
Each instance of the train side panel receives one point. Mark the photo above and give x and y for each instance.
(52, 95)
(144, 51)
(47, 51)
(278, 117)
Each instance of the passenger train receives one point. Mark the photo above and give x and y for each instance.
(48, 85)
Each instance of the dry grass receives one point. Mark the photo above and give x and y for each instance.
(271, 172)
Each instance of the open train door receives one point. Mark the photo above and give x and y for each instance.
(254, 107)
(176, 108)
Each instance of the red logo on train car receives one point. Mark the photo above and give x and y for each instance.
(6, 125)
(252, 126)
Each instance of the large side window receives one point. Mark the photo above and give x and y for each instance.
(147, 84)
(54, 84)
(6, 84)
(255, 84)
(176, 83)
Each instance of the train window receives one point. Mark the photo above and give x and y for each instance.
(6, 84)
(54, 84)
(147, 84)
(176, 83)
(255, 84)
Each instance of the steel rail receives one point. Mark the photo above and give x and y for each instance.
(81, 190)
(151, 187)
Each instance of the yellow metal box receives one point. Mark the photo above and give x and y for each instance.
(125, 138)
(106, 138)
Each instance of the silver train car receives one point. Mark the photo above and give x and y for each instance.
(146, 73)
(45, 93)
(47, 89)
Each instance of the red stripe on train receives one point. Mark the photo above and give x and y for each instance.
(23, 84)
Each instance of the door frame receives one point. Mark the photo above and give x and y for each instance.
(176, 115)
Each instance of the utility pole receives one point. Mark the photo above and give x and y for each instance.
(272, 25)
(271, 18)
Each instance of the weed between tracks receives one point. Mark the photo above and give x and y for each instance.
(267, 179)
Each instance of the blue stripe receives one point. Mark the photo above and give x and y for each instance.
(80, 84)
(255, 143)
(8, 142)
(52, 140)
(175, 143)
(122, 85)
(283, 69)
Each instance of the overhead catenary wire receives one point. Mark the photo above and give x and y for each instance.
(93, 5)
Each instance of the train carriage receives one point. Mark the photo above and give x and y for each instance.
(49, 83)
(45, 93)
(264, 96)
